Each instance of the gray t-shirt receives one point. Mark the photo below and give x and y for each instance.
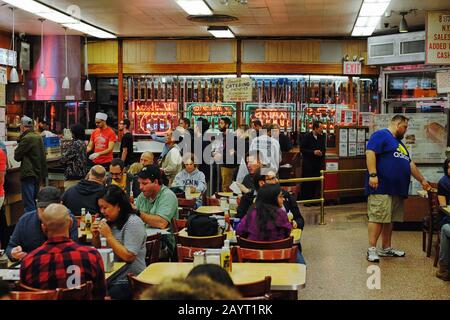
(133, 237)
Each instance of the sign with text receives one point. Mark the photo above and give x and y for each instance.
(438, 37)
(237, 89)
(443, 82)
(154, 116)
(352, 68)
(277, 113)
(211, 111)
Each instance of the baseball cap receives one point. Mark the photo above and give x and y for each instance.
(47, 196)
(150, 172)
(26, 121)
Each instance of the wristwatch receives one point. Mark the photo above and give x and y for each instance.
(373, 175)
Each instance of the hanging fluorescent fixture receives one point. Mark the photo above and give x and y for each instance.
(369, 16)
(195, 7)
(42, 81)
(49, 13)
(87, 84)
(221, 32)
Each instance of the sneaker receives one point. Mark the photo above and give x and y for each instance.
(391, 252)
(372, 255)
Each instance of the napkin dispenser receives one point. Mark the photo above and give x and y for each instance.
(108, 258)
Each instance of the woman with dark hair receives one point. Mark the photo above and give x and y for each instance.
(444, 200)
(214, 272)
(74, 157)
(125, 234)
(266, 220)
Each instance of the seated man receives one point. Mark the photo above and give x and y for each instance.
(444, 200)
(86, 192)
(157, 204)
(253, 163)
(28, 234)
(118, 177)
(60, 262)
(147, 158)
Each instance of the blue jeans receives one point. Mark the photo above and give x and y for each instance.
(444, 252)
(30, 189)
(300, 258)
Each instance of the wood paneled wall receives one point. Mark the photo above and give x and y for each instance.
(192, 51)
(103, 52)
(299, 51)
(355, 48)
(138, 51)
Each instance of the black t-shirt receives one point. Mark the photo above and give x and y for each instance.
(127, 142)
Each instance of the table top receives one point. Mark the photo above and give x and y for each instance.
(285, 276)
(116, 267)
(445, 209)
(209, 210)
(153, 231)
(225, 194)
(296, 233)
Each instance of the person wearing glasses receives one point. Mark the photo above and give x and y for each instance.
(118, 177)
(101, 142)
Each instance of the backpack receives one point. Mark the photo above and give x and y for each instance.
(199, 225)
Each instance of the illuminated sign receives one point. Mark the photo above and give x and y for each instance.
(352, 68)
(154, 116)
(211, 111)
(276, 113)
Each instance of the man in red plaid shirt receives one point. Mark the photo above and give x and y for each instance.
(60, 262)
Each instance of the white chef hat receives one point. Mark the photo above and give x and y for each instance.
(101, 116)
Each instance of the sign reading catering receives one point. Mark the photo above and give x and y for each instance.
(237, 89)
(438, 37)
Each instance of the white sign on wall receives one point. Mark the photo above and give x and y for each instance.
(438, 37)
(237, 89)
(443, 81)
(352, 68)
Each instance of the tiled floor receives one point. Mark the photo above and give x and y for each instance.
(337, 267)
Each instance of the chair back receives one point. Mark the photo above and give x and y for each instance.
(153, 248)
(259, 289)
(34, 295)
(433, 202)
(186, 254)
(202, 242)
(278, 244)
(275, 255)
(186, 207)
(83, 292)
(137, 286)
(178, 224)
(212, 201)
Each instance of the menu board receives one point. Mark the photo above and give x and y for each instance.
(211, 111)
(352, 141)
(426, 137)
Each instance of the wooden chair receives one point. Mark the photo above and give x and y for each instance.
(153, 248)
(202, 242)
(212, 201)
(186, 254)
(83, 292)
(186, 207)
(178, 224)
(430, 227)
(34, 295)
(258, 255)
(137, 286)
(437, 249)
(259, 290)
(268, 245)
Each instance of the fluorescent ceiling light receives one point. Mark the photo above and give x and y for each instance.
(369, 16)
(221, 32)
(195, 7)
(57, 16)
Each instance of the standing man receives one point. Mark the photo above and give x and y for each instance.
(126, 144)
(227, 153)
(268, 145)
(33, 162)
(389, 172)
(102, 142)
(313, 152)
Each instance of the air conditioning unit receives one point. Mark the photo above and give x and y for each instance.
(396, 48)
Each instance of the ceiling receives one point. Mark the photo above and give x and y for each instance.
(284, 18)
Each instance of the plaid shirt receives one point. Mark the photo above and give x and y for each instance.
(47, 267)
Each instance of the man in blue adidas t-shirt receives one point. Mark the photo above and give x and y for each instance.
(390, 167)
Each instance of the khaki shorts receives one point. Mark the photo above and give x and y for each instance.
(383, 208)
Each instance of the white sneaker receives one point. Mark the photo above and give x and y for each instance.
(372, 255)
(391, 252)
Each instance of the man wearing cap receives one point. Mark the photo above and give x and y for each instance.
(102, 142)
(157, 205)
(28, 234)
(33, 162)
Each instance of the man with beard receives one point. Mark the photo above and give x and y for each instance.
(389, 172)
(228, 153)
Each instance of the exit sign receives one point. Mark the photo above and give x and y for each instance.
(352, 68)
